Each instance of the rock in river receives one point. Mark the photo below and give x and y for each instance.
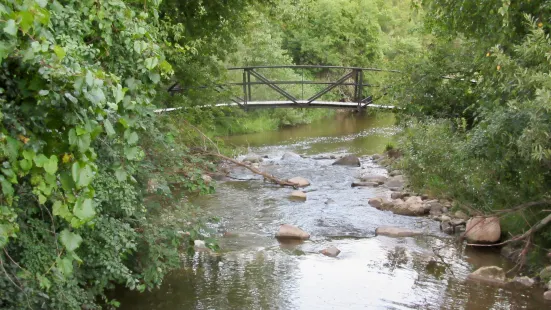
(524, 281)
(365, 184)
(396, 232)
(396, 182)
(299, 181)
(331, 251)
(287, 231)
(290, 156)
(380, 179)
(483, 230)
(491, 274)
(349, 160)
(252, 158)
(298, 195)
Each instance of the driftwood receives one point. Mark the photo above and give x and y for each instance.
(266, 176)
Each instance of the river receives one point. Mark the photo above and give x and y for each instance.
(254, 271)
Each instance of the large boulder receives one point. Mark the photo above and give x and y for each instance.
(299, 181)
(483, 230)
(298, 195)
(380, 179)
(287, 231)
(290, 156)
(396, 232)
(491, 274)
(349, 160)
(331, 251)
(252, 158)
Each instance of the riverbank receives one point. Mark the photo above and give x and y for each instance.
(467, 224)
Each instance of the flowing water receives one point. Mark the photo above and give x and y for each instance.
(254, 271)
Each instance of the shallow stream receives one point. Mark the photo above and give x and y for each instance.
(254, 271)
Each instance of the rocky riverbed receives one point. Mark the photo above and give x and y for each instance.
(335, 249)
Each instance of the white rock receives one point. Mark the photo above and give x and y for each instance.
(299, 181)
(492, 274)
(298, 195)
(199, 244)
(483, 230)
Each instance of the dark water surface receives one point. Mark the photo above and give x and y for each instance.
(254, 271)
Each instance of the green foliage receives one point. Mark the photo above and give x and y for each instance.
(482, 137)
(78, 147)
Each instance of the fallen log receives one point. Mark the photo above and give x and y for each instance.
(266, 176)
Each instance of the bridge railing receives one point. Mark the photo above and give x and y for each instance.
(353, 76)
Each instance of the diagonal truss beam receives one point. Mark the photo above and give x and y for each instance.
(330, 87)
(273, 86)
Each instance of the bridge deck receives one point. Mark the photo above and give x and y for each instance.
(290, 104)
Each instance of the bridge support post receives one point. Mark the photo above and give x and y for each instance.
(245, 97)
(360, 86)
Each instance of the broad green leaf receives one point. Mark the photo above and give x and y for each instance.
(83, 143)
(42, 199)
(7, 188)
(43, 282)
(25, 164)
(89, 78)
(132, 138)
(155, 77)
(43, 92)
(67, 182)
(82, 174)
(118, 93)
(120, 174)
(80, 131)
(70, 240)
(29, 154)
(108, 127)
(41, 160)
(51, 165)
(131, 153)
(151, 63)
(65, 265)
(12, 148)
(11, 27)
(84, 209)
(26, 20)
(60, 209)
(59, 52)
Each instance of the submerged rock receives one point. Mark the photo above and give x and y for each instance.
(252, 158)
(547, 295)
(524, 281)
(287, 231)
(349, 160)
(298, 195)
(396, 232)
(491, 274)
(331, 251)
(290, 156)
(299, 181)
(483, 230)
